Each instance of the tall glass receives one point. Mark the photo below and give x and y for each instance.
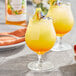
(40, 37)
(63, 22)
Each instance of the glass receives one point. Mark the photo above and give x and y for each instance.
(40, 37)
(63, 22)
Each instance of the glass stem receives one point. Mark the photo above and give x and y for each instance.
(39, 60)
(59, 40)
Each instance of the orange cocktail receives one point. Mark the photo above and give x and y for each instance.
(40, 37)
(62, 18)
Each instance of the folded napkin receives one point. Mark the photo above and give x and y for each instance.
(11, 40)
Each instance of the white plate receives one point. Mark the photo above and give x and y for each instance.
(10, 28)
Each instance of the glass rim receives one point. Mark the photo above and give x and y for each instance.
(67, 3)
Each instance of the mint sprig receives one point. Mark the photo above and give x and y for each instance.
(44, 9)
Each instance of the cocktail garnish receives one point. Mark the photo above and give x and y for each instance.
(55, 2)
(38, 14)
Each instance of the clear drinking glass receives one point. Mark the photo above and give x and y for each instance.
(40, 37)
(63, 22)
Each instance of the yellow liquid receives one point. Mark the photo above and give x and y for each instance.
(62, 18)
(40, 36)
(20, 23)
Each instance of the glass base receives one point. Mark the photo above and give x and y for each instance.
(61, 47)
(46, 66)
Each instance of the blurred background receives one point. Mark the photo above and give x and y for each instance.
(30, 9)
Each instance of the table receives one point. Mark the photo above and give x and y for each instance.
(14, 62)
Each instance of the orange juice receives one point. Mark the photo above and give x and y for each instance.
(16, 12)
(62, 18)
(40, 35)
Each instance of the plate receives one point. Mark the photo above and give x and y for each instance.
(10, 28)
